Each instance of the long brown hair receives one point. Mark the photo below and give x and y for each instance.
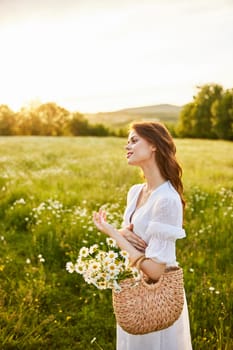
(158, 135)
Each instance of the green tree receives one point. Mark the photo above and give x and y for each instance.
(46, 119)
(222, 111)
(54, 119)
(99, 130)
(186, 121)
(196, 118)
(202, 114)
(28, 122)
(7, 121)
(78, 125)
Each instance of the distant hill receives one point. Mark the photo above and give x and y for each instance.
(163, 112)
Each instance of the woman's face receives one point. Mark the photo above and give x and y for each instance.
(139, 150)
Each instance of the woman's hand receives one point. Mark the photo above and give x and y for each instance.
(100, 222)
(132, 238)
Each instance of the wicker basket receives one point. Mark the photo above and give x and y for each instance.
(142, 307)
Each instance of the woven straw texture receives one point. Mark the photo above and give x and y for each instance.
(142, 308)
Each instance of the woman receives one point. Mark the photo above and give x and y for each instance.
(152, 223)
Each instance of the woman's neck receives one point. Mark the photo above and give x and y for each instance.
(153, 177)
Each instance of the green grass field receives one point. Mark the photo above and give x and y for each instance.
(49, 188)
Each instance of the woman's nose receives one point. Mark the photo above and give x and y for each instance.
(127, 147)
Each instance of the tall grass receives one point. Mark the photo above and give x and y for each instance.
(48, 190)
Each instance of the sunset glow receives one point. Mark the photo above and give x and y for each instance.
(91, 58)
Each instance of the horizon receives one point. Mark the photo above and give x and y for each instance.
(38, 103)
(95, 59)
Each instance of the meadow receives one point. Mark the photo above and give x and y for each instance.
(49, 188)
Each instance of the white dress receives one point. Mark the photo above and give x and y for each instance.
(159, 223)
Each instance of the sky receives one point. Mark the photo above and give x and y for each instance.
(103, 55)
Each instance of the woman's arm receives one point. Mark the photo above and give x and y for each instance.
(131, 237)
(151, 268)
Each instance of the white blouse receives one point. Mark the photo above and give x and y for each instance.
(159, 223)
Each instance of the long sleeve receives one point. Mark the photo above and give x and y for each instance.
(164, 229)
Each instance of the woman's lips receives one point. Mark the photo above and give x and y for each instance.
(129, 154)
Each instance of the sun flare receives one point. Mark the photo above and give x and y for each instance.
(98, 59)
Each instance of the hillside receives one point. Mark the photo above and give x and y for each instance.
(162, 112)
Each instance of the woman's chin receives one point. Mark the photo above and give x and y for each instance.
(131, 162)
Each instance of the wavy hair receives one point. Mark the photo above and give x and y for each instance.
(157, 134)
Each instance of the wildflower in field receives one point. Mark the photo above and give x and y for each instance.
(20, 201)
(93, 340)
(70, 267)
(41, 259)
(28, 261)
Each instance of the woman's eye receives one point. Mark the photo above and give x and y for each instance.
(132, 141)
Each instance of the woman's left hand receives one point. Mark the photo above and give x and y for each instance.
(135, 240)
(100, 222)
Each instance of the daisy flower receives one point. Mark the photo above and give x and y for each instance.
(93, 248)
(112, 255)
(84, 251)
(70, 267)
(111, 242)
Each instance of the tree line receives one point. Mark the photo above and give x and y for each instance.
(209, 115)
(48, 119)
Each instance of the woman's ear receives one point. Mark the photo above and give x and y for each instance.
(153, 148)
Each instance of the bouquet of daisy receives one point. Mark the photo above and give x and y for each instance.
(103, 265)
